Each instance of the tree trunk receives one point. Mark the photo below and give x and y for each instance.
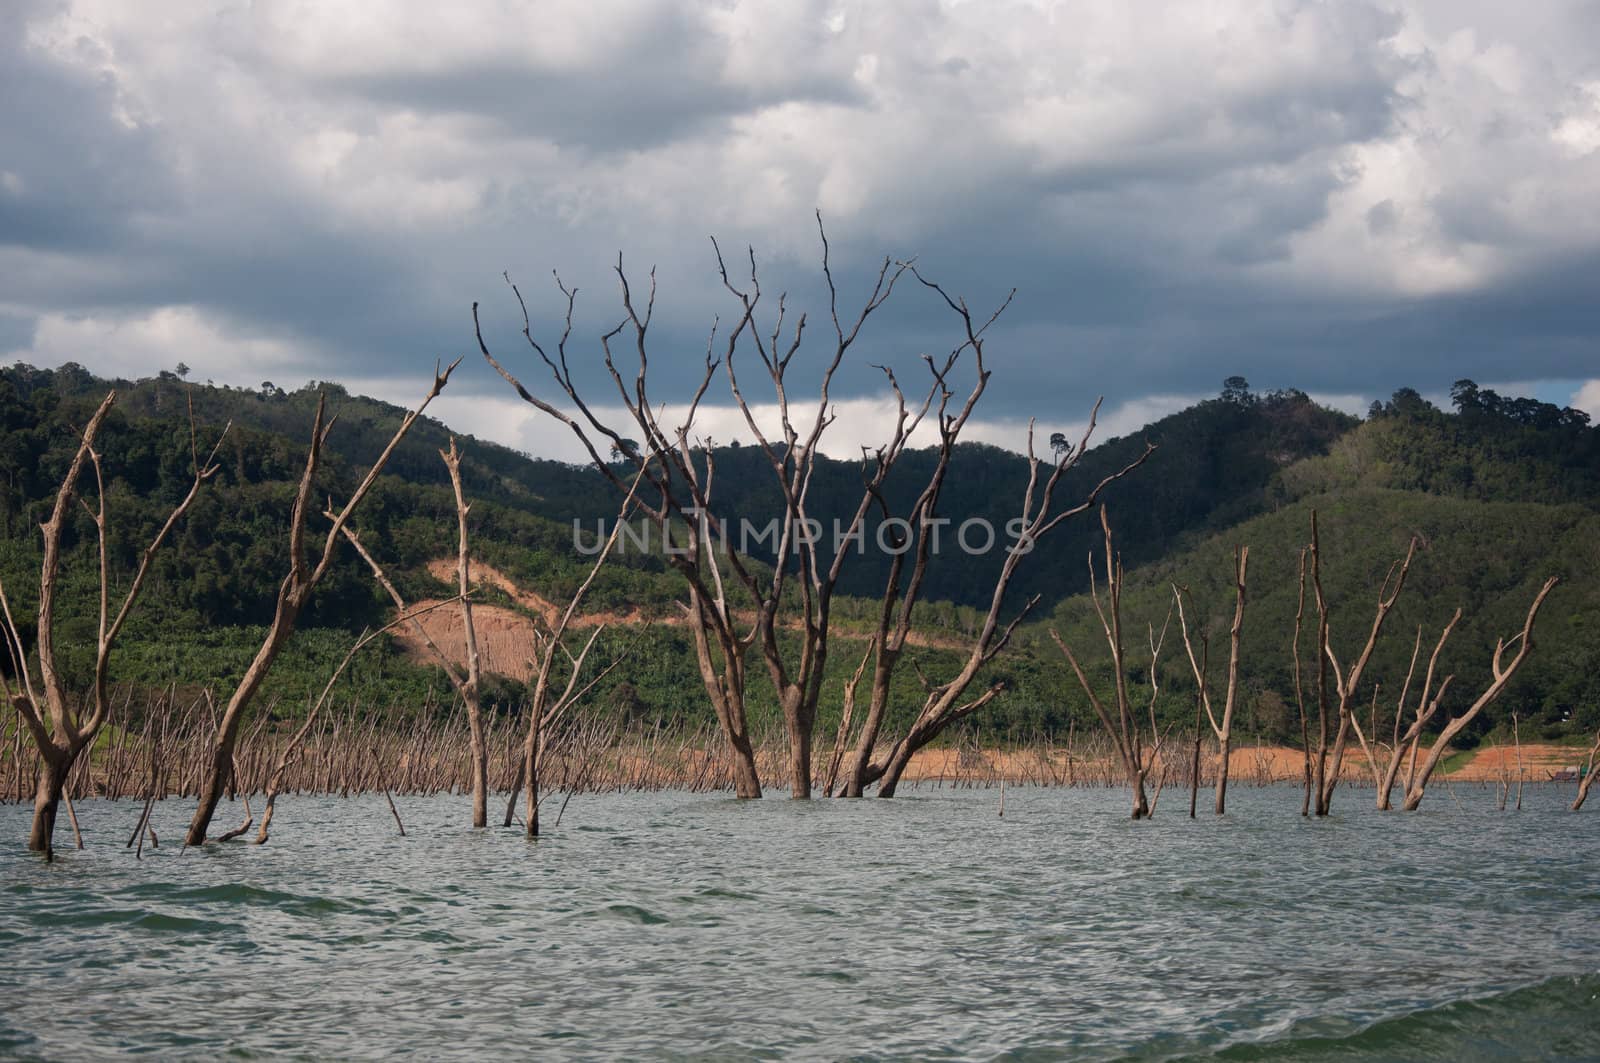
(516, 790)
(861, 757)
(1224, 747)
(216, 784)
(528, 770)
(931, 723)
(799, 765)
(746, 780)
(1194, 767)
(899, 760)
(53, 770)
(532, 810)
(799, 728)
(1386, 787)
(480, 766)
(1583, 791)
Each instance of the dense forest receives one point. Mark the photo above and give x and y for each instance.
(1500, 492)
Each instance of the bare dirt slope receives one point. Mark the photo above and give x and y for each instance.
(506, 637)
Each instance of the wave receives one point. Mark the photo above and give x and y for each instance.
(1556, 1019)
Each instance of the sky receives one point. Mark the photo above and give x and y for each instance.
(1344, 197)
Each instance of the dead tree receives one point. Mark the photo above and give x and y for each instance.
(1427, 707)
(1502, 673)
(543, 712)
(680, 490)
(1137, 750)
(947, 702)
(1199, 719)
(1345, 683)
(547, 709)
(464, 681)
(1223, 728)
(470, 685)
(797, 678)
(1299, 689)
(902, 591)
(293, 594)
(681, 471)
(1516, 737)
(1588, 776)
(59, 733)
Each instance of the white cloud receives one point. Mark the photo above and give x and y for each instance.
(1346, 403)
(1587, 399)
(1226, 178)
(860, 422)
(142, 344)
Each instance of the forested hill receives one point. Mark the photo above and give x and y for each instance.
(1215, 463)
(1502, 492)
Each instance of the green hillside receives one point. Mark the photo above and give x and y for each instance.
(1502, 493)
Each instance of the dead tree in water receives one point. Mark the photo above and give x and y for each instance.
(543, 712)
(1502, 673)
(683, 481)
(681, 489)
(1137, 751)
(293, 594)
(1223, 729)
(1588, 777)
(948, 702)
(791, 454)
(470, 685)
(1299, 688)
(1345, 684)
(1199, 718)
(59, 733)
(1427, 707)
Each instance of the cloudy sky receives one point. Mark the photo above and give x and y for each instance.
(1343, 197)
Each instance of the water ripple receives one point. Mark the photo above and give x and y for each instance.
(681, 926)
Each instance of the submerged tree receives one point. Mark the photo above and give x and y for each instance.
(59, 732)
(293, 595)
(1427, 708)
(791, 456)
(679, 471)
(1138, 749)
(466, 680)
(947, 702)
(548, 706)
(1501, 671)
(291, 750)
(1223, 728)
(1329, 759)
(680, 490)
(1588, 775)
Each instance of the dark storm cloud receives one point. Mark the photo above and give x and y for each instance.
(72, 174)
(16, 332)
(1344, 199)
(659, 79)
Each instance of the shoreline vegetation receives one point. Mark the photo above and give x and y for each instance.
(353, 753)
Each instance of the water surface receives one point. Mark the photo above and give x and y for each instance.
(696, 926)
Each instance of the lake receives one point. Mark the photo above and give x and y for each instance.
(696, 926)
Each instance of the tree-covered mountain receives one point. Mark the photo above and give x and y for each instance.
(1502, 493)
